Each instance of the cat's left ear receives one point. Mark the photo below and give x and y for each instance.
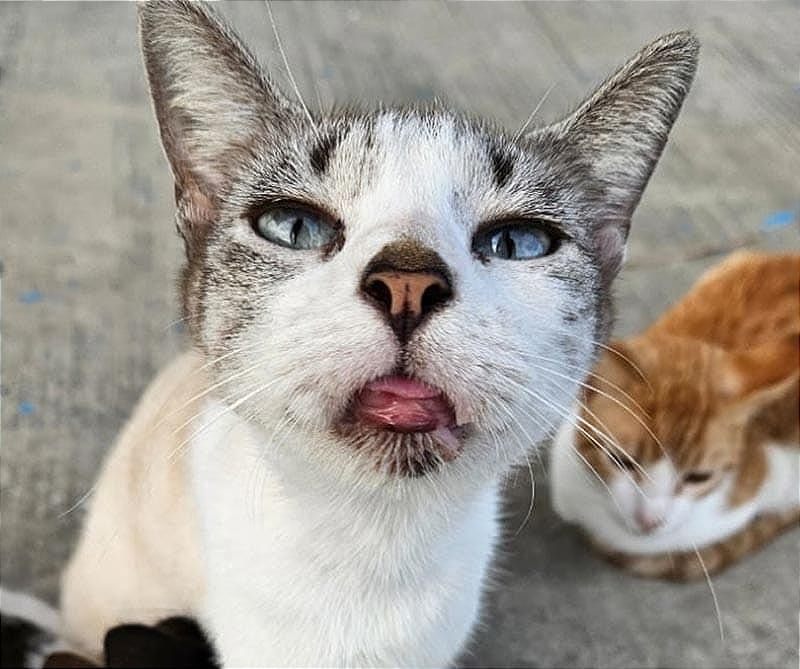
(616, 136)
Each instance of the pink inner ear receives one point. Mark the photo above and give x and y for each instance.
(196, 212)
(610, 246)
(199, 208)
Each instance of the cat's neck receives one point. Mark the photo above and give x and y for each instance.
(235, 460)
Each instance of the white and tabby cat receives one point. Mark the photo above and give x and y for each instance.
(317, 481)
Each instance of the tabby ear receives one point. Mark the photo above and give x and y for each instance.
(618, 133)
(211, 100)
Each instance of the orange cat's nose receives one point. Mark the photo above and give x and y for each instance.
(647, 522)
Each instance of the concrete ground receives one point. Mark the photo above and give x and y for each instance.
(89, 256)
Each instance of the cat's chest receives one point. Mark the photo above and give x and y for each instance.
(322, 577)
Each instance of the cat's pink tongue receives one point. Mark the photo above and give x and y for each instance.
(404, 405)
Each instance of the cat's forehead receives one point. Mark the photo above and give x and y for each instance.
(407, 165)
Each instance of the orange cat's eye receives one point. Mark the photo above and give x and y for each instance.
(695, 478)
(621, 461)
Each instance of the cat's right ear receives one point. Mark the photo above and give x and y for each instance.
(211, 99)
(614, 139)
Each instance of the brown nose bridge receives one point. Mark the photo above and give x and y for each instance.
(406, 281)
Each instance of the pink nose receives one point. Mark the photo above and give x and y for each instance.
(647, 522)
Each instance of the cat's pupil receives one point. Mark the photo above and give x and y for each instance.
(297, 228)
(503, 245)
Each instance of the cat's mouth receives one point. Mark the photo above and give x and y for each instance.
(408, 420)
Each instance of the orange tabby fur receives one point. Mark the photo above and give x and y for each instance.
(714, 379)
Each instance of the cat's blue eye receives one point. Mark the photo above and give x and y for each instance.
(295, 228)
(515, 241)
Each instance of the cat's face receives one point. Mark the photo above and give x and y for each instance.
(665, 428)
(408, 208)
(400, 291)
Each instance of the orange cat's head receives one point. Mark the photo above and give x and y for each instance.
(668, 422)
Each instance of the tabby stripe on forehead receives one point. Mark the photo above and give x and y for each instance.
(321, 153)
(502, 166)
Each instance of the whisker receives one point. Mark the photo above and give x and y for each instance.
(535, 111)
(607, 348)
(171, 324)
(527, 461)
(211, 388)
(559, 411)
(584, 373)
(713, 592)
(289, 69)
(573, 450)
(228, 408)
(617, 402)
(80, 501)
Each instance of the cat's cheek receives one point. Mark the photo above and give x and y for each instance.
(680, 510)
(624, 498)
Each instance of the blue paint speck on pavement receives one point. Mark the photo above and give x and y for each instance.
(779, 219)
(25, 408)
(31, 297)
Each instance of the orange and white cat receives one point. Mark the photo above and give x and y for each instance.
(683, 454)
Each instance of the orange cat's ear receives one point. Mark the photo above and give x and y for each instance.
(761, 379)
(760, 367)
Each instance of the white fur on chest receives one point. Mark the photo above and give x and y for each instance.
(580, 498)
(303, 575)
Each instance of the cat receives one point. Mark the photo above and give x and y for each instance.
(316, 481)
(692, 428)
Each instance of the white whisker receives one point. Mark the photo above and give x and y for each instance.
(713, 593)
(535, 111)
(289, 69)
(564, 415)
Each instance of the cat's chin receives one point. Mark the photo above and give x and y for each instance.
(404, 454)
